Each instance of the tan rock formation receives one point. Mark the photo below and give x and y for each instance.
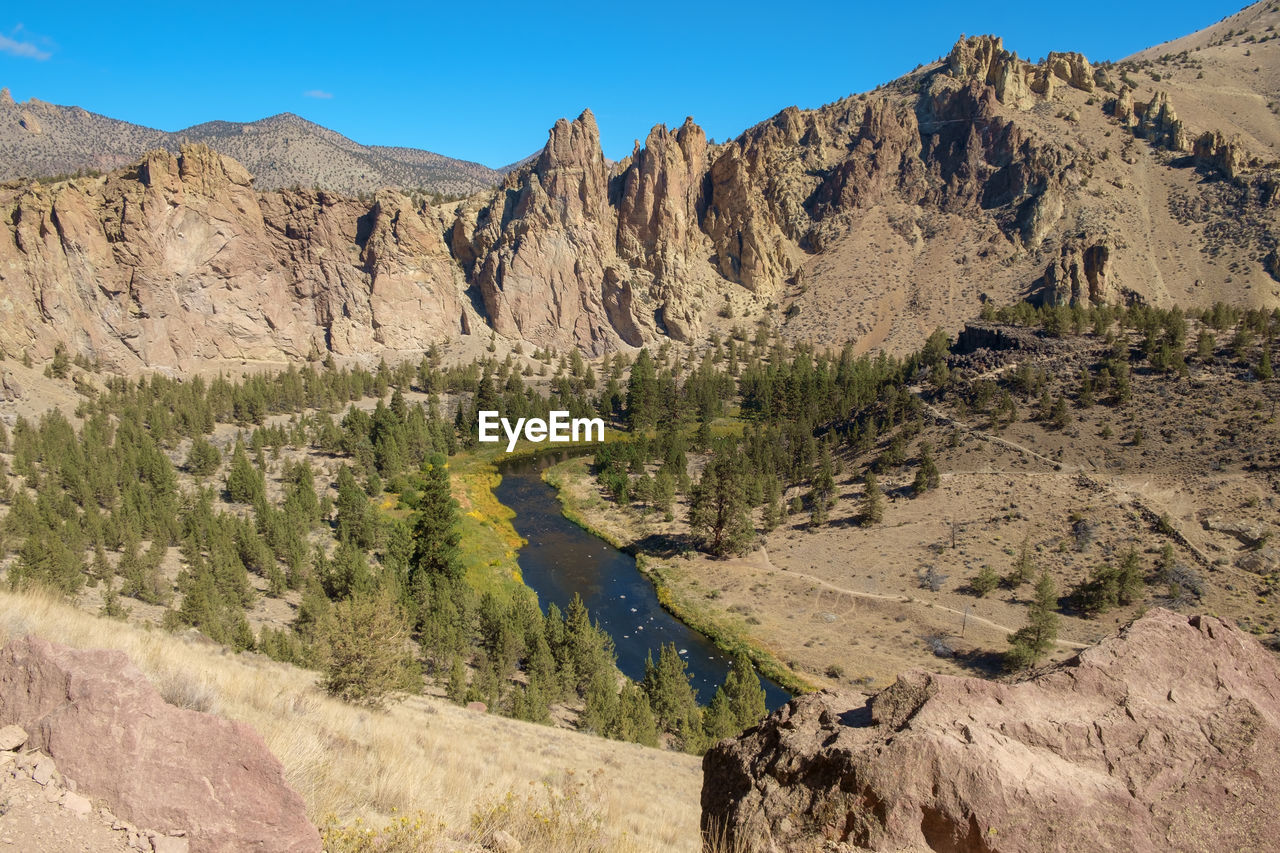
(1165, 737)
(1212, 150)
(1080, 276)
(182, 261)
(1161, 126)
(983, 58)
(1072, 69)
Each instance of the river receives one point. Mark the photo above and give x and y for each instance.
(563, 558)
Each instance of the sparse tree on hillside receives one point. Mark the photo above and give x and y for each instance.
(718, 509)
(927, 476)
(872, 500)
(435, 527)
(365, 654)
(1030, 643)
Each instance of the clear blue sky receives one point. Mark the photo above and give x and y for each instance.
(486, 85)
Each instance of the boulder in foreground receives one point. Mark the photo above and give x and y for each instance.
(174, 770)
(1163, 737)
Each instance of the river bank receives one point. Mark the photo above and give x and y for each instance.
(678, 591)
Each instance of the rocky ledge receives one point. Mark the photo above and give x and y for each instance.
(1163, 737)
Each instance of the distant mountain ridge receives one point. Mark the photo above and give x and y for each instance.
(39, 139)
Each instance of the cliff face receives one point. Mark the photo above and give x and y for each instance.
(881, 216)
(180, 260)
(1164, 737)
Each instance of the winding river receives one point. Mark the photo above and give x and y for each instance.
(563, 558)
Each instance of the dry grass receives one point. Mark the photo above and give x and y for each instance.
(424, 774)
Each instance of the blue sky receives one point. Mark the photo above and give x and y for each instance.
(486, 85)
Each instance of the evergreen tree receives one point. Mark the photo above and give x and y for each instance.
(1130, 581)
(745, 693)
(824, 487)
(435, 527)
(244, 483)
(718, 721)
(203, 458)
(675, 707)
(365, 655)
(356, 520)
(635, 718)
(927, 476)
(1030, 643)
(718, 509)
(1024, 567)
(642, 390)
(984, 581)
(457, 684)
(872, 500)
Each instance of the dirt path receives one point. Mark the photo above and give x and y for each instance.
(901, 599)
(1123, 497)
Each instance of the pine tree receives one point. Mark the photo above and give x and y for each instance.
(642, 389)
(635, 718)
(244, 483)
(674, 704)
(457, 683)
(435, 527)
(1024, 567)
(824, 487)
(1130, 580)
(745, 693)
(718, 509)
(984, 581)
(927, 476)
(356, 520)
(1030, 643)
(872, 500)
(718, 721)
(203, 458)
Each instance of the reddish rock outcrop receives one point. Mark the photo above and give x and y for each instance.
(155, 765)
(1165, 737)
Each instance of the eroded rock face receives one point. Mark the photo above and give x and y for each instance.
(1165, 737)
(1212, 150)
(1161, 126)
(1081, 275)
(155, 765)
(181, 261)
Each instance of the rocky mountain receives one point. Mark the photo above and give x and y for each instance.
(39, 139)
(876, 218)
(1164, 737)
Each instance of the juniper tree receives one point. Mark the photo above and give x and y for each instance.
(1030, 643)
(872, 500)
(927, 476)
(365, 655)
(674, 704)
(244, 483)
(745, 693)
(984, 581)
(823, 487)
(718, 509)
(642, 392)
